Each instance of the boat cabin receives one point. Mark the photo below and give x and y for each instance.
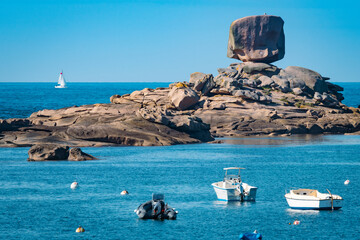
(305, 192)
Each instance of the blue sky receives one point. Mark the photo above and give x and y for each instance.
(165, 41)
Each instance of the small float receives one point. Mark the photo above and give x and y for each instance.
(313, 199)
(156, 209)
(233, 189)
(347, 182)
(80, 229)
(250, 236)
(124, 192)
(296, 222)
(74, 185)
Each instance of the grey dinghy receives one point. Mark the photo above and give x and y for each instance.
(156, 209)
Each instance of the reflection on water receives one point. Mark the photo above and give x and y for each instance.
(232, 204)
(297, 212)
(301, 139)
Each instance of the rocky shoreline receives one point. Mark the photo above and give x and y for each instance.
(252, 98)
(237, 102)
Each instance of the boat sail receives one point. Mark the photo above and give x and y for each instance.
(61, 81)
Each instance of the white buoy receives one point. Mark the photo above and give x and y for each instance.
(347, 182)
(80, 229)
(296, 222)
(74, 185)
(124, 192)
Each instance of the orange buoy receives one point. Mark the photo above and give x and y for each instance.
(124, 192)
(296, 222)
(80, 229)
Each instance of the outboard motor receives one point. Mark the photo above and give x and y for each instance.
(156, 209)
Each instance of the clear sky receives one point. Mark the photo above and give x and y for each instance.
(165, 41)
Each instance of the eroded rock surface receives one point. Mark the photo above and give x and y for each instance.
(46, 152)
(76, 154)
(257, 39)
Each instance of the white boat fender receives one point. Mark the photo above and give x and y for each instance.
(347, 182)
(74, 185)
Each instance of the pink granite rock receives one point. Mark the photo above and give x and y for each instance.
(257, 39)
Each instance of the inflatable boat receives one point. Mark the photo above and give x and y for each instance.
(156, 209)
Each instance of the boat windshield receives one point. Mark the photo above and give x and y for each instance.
(232, 174)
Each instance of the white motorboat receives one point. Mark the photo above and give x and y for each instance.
(61, 81)
(313, 199)
(233, 189)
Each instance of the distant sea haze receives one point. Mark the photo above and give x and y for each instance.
(19, 100)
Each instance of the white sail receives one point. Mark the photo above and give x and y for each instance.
(61, 81)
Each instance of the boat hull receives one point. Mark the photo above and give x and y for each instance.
(227, 194)
(233, 194)
(305, 204)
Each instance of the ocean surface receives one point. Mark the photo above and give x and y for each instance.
(36, 201)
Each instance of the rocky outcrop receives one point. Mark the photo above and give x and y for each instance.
(53, 152)
(249, 98)
(257, 39)
(46, 152)
(13, 124)
(76, 154)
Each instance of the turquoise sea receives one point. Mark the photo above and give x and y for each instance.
(36, 201)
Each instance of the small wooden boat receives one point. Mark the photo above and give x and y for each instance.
(313, 199)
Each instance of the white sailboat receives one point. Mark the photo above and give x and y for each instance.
(61, 81)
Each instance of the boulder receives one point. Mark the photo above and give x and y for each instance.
(282, 84)
(251, 95)
(265, 81)
(297, 91)
(251, 67)
(183, 97)
(197, 80)
(223, 81)
(202, 82)
(301, 77)
(75, 154)
(43, 152)
(257, 39)
(229, 71)
(209, 85)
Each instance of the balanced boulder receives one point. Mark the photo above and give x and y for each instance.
(257, 39)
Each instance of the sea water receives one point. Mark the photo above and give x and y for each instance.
(36, 201)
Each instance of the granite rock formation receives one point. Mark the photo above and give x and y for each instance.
(257, 39)
(76, 154)
(53, 152)
(245, 99)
